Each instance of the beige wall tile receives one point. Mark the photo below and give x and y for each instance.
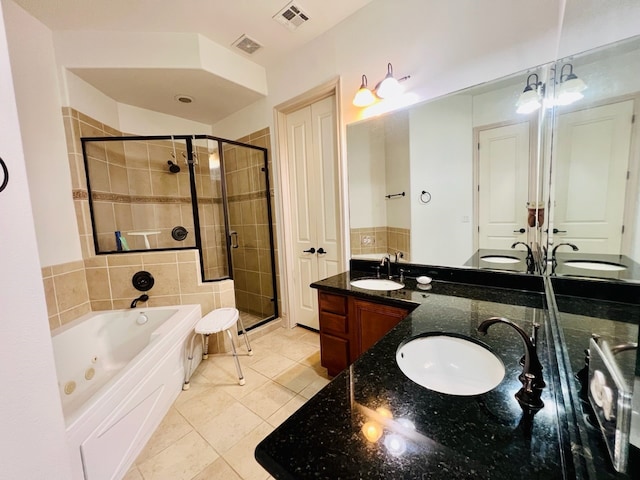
(97, 305)
(166, 279)
(76, 312)
(157, 258)
(67, 267)
(122, 259)
(54, 322)
(120, 282)
(71, 289)
(164, 301)
(98, 283)
(50, 296)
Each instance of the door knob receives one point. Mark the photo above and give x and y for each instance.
(311, 250)
(555, 230)
(321, 251)
(522, 230)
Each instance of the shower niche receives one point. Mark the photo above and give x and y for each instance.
(155, 193)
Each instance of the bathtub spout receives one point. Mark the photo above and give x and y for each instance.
(142, 298)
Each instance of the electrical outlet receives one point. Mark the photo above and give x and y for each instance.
(367, 240)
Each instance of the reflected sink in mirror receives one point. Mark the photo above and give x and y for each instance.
(595, 265)
(380, 284)
(450, 364)
(500, 259)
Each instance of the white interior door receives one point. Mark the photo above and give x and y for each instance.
(592, 159)
(313, 197)
(503, 179)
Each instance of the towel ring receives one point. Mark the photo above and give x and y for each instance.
(425, 197)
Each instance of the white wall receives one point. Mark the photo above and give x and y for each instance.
(367, 174)
(32, 442)
(442, 164)
(397, 166)
(35, 78)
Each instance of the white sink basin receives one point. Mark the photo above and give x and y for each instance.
(500, 259)
(376, 284)
(595, 265)
(450, 364)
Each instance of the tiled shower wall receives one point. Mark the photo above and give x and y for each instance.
(104, 281)
(381, 240)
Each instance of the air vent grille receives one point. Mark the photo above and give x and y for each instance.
(291, 16)
(247, 44)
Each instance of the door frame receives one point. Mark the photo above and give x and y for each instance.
(286, 259)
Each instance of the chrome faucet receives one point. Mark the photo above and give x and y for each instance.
(386, 261)
(554, 262)
(531, 377)
(530, 261)
(142, 298)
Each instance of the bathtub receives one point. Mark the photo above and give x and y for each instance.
(118, 374)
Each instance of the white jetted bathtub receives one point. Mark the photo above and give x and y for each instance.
(118, 374)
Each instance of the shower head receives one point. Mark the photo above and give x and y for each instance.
(173, 168)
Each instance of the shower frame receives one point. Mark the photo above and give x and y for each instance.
(189, 144)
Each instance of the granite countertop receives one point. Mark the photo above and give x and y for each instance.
(518, 265)
(630, 274)
(429, 435)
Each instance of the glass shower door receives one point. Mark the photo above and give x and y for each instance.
(250, 235)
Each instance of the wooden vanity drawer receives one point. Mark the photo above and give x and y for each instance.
(333, 323)
(332, 303)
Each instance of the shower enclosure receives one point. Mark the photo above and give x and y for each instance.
(189, 191)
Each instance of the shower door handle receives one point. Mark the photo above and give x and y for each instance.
(233, 234)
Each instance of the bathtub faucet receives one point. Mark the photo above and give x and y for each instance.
(142, 298)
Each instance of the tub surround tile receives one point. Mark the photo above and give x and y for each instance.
(73, 313)
(71, 289)
(133, 474)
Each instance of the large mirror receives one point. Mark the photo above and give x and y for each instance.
(450, 181)
(458, 180)
(595, 157)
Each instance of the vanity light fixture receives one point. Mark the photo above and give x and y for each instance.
(364, 97)
(571, 87)
(388, 87)
(529, 100)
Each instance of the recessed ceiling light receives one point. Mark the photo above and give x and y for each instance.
(183, 98)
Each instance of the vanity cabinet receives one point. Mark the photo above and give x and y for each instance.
(349, 326)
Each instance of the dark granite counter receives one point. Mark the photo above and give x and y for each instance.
(613, 316)
(631, 273)
(501, 260)
(425, 434)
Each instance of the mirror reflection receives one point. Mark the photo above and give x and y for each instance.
(450, 181)
(595, 164)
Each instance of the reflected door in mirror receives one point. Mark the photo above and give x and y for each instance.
(592, 152)
(503, 173)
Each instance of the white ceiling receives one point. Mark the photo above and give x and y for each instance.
(221, 21)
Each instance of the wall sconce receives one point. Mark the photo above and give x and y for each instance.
(569, 90)
(364, 97)
(571, 87)
(529, 100)
(388, 87)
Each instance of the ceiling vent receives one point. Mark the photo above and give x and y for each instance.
(291, 16)
(247, 45)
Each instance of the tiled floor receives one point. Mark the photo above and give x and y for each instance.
(249, 319)
(212, 429)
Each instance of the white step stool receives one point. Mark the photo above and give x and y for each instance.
(221, 319)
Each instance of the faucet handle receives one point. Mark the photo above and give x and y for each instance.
(377, 269)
